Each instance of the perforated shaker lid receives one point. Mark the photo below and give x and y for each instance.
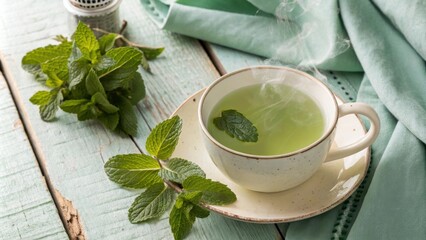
(89, 8)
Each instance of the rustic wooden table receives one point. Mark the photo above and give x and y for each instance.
(52, 181)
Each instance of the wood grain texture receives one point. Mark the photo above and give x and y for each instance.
(73, 153)
(27, 210)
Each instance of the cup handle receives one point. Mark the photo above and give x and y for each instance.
(367, 140)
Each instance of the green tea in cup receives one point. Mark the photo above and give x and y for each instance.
(286, 118)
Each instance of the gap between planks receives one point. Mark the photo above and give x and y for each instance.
(281, 230)
(68, 215)
(213, 57)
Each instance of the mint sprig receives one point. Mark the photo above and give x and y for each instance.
(235, 124)
(90, 77)
(166, 181)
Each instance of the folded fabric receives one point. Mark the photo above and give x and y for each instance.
(388, 43)
(239, 24)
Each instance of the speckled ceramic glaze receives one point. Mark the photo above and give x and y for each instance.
(332, 184)
(271, 175)
(281, 172)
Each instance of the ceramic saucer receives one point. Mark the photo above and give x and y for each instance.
(330, 186)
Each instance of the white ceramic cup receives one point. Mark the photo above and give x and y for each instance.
(280, 172)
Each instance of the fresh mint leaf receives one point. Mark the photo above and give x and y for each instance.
(103, 103)
(110, 121)
(124, 57)
(48, 111)
(32, 61)
(145, 64)
(178, 169)
(40, 98)
(214, 193)
(76, 54)
(164, 137)
(137, 89)
(79, 91)
(236, 125)
(104, 63)
(128, 122)
(40, 76)
(193, 197)
(93, 85)
(60, 38)
(54, 82)
(151, 53)
(86, 41)
(179, 201)
(120, 79)
(57, 71)
(77, 72)
(133, 170)
(181, 220)
(106, 42)
(200, 212)
(88, 111)
(127, 60)
(151, 204)
(74, 105)
(184, 212)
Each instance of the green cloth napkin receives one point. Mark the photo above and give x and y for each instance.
(241, 25)
(388, 43)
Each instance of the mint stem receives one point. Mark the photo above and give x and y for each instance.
(123, 27)
(124, 39)
(173, 186)
(170, 184)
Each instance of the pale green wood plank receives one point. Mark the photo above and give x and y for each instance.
(27, 210)
(73, 152)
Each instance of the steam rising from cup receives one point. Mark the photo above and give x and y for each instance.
(312, 36)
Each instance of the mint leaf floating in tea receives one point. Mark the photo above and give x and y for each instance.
(92, 78)
(163, 179)
(236, 125)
